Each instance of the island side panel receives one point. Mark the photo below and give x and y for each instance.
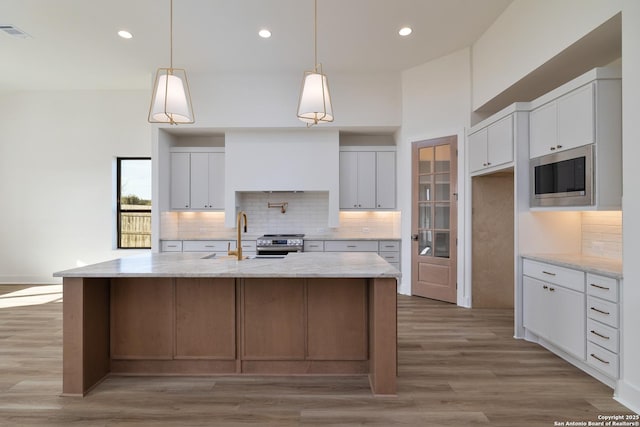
(206, 318)
(142, 318)
(85, 345)
(273, 318)
(383, 335)
(337, 319)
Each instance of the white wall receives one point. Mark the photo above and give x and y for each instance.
(435, 102)
(528, 34)
(244, 100)
(57, 152)
(629, 386)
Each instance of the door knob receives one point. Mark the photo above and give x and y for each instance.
(414, 237)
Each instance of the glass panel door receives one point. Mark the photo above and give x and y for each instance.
(434, 201)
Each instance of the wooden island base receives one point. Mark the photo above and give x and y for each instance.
(239, 326)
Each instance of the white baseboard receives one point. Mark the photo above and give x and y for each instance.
(30, 280)
(628, 395)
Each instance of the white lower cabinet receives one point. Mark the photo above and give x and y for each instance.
(389, 250)
(556, 314)
(219, 247)
(578, 316)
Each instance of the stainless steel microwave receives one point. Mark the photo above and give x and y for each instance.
(565, 178)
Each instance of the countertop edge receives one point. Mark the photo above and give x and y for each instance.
(596, 265)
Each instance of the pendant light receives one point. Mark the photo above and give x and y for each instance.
(315, 103)
(171, 101)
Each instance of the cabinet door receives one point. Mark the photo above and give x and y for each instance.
(385, 180)
(348, 180)
(216, 180)
(576, 117)
(199, 180)
(500, 142)
(478, 150)
(543, 130)
(535, 309)
(366, 180)
(179, 181)
(567, 329)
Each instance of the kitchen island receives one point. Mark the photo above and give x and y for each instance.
(187, 314)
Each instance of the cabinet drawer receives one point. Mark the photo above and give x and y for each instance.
(390, 256)
(603, 335)
(171, 246)
(207, 245)
(602, 287)
(248, 245)
(549, 273)
(389, 246)
(602, 359)
(602, 311)
(351, 246)
(313, 246)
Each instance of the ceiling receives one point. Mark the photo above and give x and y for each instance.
(74, 43)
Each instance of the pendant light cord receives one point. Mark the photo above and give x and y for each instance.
(315, 35)
(171, 35)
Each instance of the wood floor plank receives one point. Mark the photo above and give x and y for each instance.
(456, 367)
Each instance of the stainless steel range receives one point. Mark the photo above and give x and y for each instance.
(279, 244)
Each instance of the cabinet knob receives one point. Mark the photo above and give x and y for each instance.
(558, 146)
(484, 164)
(488, 163)
(355, 206)
(553, 148)
(186, 206)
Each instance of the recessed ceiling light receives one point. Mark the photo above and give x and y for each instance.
(125, 34)
(405, 31)
(264, 33)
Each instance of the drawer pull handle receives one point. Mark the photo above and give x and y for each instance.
(600, 335)
(172, 246)
(351, 246)
(600, 287)
(550, 274)
(597, 358)
(600, 311)
(208, 246)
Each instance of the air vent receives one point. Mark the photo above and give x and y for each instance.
(14, 32)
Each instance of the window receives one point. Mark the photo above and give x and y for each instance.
(134, 202)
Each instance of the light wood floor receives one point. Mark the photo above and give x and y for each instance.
(456, 367)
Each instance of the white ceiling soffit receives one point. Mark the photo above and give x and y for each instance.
(74, 44)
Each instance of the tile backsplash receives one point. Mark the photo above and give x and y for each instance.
(306, 212)
(602, 234)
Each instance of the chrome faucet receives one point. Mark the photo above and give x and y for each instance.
(238, 250)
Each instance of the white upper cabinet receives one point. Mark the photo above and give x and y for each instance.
(492, 145)
(207, 180)
(385, 180)
(197, 181)
(576, 113)
(564, 123)
(180, 166)
(367, 180)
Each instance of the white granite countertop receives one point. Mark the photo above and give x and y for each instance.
(192, 264)
(604, 266)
